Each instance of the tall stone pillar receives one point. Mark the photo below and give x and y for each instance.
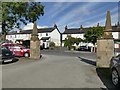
(34, 44)
(105, 45)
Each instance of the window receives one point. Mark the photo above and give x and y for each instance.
(15, 36)
(46, 34)
(16, 48)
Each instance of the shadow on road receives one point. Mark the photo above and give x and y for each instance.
(88, 61)
(105, 76)
(103, 73)
(14, 61)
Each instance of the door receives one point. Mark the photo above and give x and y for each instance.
(17, 50)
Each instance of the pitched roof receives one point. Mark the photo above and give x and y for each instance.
(41, 30)
(74, 30)
(45, 38)
(115, 28)
(80, 31)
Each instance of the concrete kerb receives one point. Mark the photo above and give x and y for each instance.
(88, 61)
(28, 58)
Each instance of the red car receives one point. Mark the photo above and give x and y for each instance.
(18, 50)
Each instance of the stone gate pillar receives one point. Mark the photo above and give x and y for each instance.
(35, 43)
(105, 45)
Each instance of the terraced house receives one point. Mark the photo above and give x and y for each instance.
(79, 33)
(46, 35)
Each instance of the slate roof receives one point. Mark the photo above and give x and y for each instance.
(41, 30)
(75, 30)
(115, 29)
(45, 38)
(80, 31)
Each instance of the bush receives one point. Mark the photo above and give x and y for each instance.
(52, 44)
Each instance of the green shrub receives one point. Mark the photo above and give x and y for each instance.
(52, 44)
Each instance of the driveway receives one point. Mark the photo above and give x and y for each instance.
(53, 70)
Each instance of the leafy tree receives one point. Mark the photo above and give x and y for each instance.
(15, 13)
(93, 34)
(78, 40)
(69, 41)
(0, 13)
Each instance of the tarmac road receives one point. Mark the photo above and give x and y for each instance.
(53, 70)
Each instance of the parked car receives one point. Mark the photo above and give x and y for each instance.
(6, 55)
(84, 48)
(18, 50)
(115, 70)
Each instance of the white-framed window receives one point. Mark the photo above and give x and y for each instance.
(15, 35)
(46, 34)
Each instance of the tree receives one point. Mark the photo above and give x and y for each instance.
(69, 41)
(0, 13)
(15, 13)
(93, 34)
(78, 40)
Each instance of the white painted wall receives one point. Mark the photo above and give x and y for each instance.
(11, 38)
(73, 35)
(64, 36)
(40, 35)
(23, 36)
(115, 35)
(78, 36)
(18, 37)
(55, 37)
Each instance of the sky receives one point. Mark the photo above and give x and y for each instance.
(74, 14)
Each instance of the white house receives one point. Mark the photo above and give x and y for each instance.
(46, 35)
(79, 33)
(76, 33)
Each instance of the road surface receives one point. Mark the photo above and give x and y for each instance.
(56, 69)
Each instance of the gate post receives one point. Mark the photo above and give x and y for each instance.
(105, 45)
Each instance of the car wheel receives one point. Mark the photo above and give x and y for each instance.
(26, 55)
(115, 78)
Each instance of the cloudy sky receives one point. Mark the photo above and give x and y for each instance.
(74, 14)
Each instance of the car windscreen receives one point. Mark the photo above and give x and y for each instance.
(118, 55)
(21, 46)
(4, 48)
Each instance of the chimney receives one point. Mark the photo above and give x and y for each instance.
(66, 27)
(55, 26)
(98, 25)
(118, 25)
(81, 27)
(20, 29)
